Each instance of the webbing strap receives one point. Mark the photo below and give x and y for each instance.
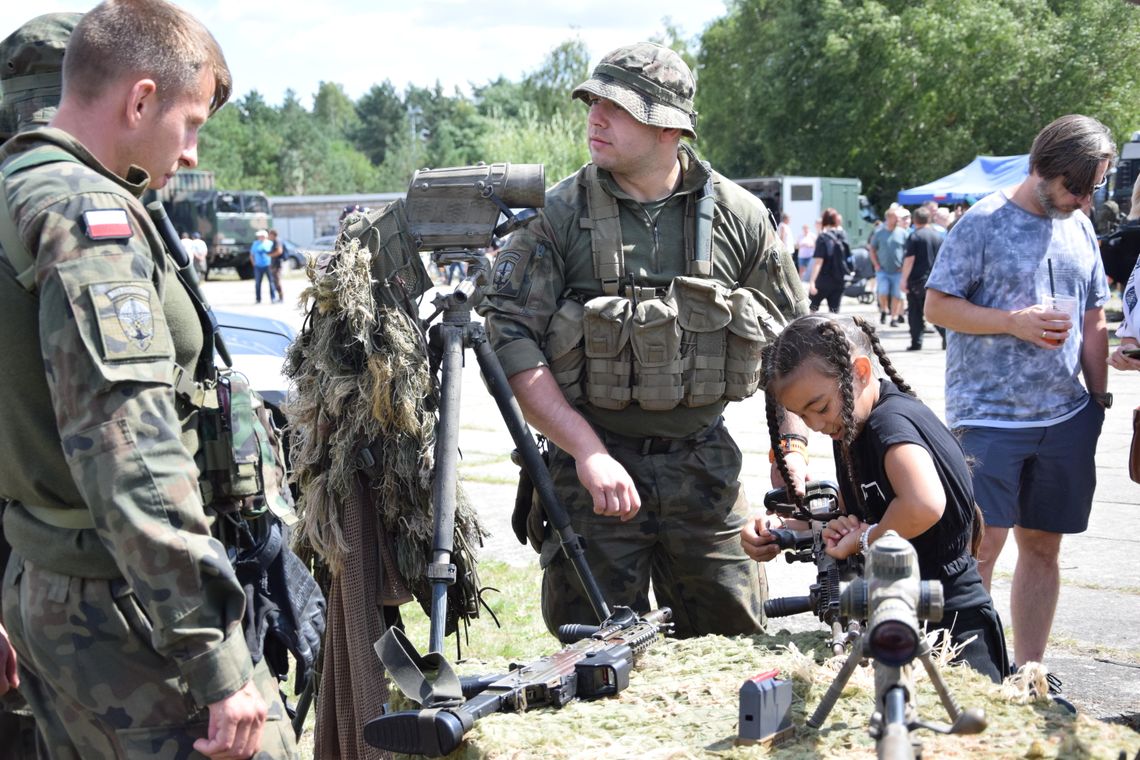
(18, 254)
(406, 668)
(603, 220)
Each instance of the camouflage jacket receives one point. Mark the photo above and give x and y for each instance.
(89, 420)
(551, 260)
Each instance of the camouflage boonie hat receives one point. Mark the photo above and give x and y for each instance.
(31, 71)
(649, 81)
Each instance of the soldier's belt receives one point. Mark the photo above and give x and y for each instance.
(68, 519)
(646, 445)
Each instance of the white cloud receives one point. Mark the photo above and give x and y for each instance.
(275, 45)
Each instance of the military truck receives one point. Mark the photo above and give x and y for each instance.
(226, 219)
(803, 199)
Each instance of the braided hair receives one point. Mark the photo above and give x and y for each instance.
(830, 341)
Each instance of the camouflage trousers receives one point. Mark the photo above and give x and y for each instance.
(685, 540)
(96, 686)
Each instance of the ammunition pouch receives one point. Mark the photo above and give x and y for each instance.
(697, 345)
(240, 458)
(606, 328)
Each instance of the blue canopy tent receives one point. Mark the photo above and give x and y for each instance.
(980, 177)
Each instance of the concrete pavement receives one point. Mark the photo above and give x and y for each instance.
(1095, 643)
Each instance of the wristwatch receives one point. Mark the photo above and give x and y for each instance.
(1104, 399)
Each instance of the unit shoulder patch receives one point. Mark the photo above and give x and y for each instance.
(126, 313)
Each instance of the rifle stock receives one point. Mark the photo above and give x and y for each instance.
(593, 667)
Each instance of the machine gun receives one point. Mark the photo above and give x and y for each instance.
(597, 665)
(820, 505)
(893, 600)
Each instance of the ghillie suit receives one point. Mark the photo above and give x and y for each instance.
(362, 433)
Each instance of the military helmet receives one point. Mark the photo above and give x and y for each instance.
(649, 81)
(31, 71)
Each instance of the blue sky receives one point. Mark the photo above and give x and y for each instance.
(274, 45)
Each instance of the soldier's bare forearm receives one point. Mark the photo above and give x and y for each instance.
(547, 410)
(793, 424)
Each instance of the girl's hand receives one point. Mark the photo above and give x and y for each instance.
(841, 536)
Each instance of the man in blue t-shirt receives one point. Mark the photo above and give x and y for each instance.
(886, 247)
(259, 257)
(1013, 394)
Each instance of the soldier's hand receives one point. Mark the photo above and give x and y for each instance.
(235, 726)
(755, 539)
(9, 675)
(609, 485)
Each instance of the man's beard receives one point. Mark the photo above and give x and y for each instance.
(1048, 205)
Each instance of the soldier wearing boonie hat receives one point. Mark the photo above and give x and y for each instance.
(31, 71)
(650, 82)
(611, 319)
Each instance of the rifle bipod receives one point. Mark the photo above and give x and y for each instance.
(893, 600)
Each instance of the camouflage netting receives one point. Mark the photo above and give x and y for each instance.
(362, 427)
(682, 702)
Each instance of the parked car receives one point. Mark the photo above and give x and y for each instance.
(292, 257)
(295, 254)
(257, 346)
(323, 243)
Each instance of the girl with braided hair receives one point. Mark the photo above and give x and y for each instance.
(899, 468)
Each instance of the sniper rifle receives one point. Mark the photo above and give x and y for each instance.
(591, 667)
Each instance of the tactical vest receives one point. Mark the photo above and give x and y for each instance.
(240, 459)
(695, 344)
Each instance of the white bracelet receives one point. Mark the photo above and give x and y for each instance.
(864, 538)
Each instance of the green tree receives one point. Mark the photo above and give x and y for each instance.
(381, 118)
(558, 142)
(332, 107)
(548, 88)
(898, 93)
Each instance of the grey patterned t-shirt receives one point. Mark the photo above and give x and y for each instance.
(997, 256)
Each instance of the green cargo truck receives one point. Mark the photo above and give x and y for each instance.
(226, 219)
(803, 199)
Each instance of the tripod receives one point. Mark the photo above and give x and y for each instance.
(447, 340)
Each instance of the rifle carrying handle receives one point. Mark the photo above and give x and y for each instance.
(433, 733)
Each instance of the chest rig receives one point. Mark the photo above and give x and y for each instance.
(694, 343)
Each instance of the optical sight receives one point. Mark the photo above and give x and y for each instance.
(896, 598)
(458, 208)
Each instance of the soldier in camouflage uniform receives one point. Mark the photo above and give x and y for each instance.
(31, 64)
(625, 361)
(124, 611)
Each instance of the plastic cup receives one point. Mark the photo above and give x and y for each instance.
(1066, 304)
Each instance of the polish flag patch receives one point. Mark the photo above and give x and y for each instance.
(107, 224)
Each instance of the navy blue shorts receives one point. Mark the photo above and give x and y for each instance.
(1041, 478)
